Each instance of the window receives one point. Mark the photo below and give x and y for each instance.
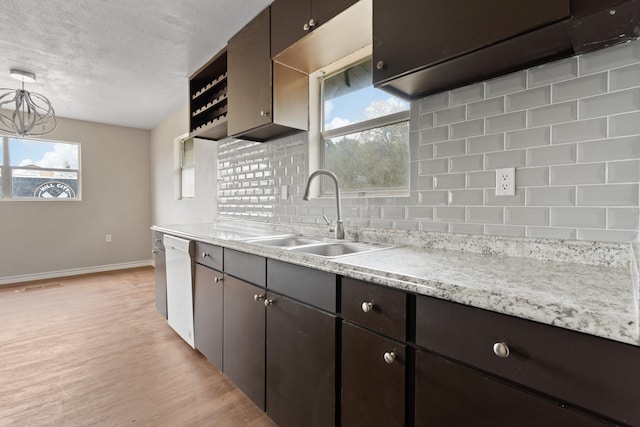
(364, 133)
(187, 169)
(34, 170)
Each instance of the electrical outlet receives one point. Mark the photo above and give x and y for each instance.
(107, 238)
(506, 182)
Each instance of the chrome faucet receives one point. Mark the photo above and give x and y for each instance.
(339, 226)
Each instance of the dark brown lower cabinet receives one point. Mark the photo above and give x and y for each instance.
(301, 364)
(373, 379)
(244, 337)
(207, 313)
(453, 395)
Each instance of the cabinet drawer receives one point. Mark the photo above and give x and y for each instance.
(314, 287)
(157, 241)
(209, 255)
(251, 268)
(382, 309)
(574, 367)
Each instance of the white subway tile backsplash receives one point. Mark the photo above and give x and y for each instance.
(490, 107)
(609, 149)
(450, 148)
(583, 130)
(552, 114)
(436, 134)
(612, 103)
(552, 233)
(625, 124)
(554, 155)
(558, 71)
(505, 159)
(466, 197)
(450, 214)
(470, 163)
(485, 144)
(485, 215)
(526, 138)
(467, 129)
(432, 167)
(575, 147)
(435, 102)
(467, 94)
(625, 77)
(506, 122)
(579, 217)
(529, 99)
(551, 196)
(449, 181)
(451, 115)
(606, 59)
(526, 216)
(624, 171)
(532, 177)
(508, 84)
(590, 173)
(583, 87)
(608, 195)
(623, 218)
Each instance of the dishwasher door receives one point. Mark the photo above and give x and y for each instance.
(179, 263)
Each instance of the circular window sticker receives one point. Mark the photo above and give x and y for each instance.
(54, 190)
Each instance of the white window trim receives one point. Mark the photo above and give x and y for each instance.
(178, 166)
(6, 173)
(316, 151)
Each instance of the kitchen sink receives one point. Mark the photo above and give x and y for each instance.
(333, 250)
(285, 241)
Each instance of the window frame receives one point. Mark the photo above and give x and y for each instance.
(317, 135)
(7, 171)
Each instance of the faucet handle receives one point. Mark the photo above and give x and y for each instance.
(326, 220)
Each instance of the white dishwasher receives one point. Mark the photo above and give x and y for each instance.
(179, 259)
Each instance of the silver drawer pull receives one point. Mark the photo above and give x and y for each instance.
(367, 307)
(268, 302)
(501, 349)
(218, 279)
(257, 297)
(389, 357)
(204, 255)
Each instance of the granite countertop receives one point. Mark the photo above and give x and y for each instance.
(600, 300)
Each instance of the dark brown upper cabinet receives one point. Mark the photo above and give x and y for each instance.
(341, 28)
(423, 47)
(294, 19)
(265, 100)
(208, 99)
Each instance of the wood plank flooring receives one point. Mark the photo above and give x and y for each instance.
(92, 351)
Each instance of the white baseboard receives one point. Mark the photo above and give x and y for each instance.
(73, 272)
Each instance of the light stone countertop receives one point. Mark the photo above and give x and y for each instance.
(600, 300)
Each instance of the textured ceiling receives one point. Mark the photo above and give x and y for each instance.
(123, 62)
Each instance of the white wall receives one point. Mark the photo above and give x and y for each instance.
(52, 238)
(166, 208)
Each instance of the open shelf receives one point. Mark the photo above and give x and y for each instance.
(208, 99)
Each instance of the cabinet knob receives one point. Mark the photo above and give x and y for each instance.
(389, 357)
(380, 65)
(158, 240)
(155, 251)
(264, 113)
(306, 27)
(367, 307)
(218, 279)
(257, 297)
(501, 349)
(268, 302)
(204, 254)
(312, 23)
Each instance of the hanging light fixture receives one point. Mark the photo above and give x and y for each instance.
(25, 113)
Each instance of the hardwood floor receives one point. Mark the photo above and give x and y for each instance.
(92, 351)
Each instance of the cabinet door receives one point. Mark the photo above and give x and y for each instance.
(373, 389)
(450, 394)
(437, 30)
(287, 21)
(249, 76)
(244, 338)
(323, 11)
(301, 363)
(207, 314)
(161, 282)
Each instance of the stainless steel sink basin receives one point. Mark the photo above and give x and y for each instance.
(333, 250)
(285, 241)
